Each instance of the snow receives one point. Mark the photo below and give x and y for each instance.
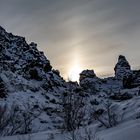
(126, 131)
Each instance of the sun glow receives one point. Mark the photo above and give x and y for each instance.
(74, 73)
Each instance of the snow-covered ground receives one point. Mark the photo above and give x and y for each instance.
(126, 131)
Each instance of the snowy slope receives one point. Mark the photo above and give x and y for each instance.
(126, 131)
(28, 81)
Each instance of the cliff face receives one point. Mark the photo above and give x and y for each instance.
(27, 80)
(22, 58)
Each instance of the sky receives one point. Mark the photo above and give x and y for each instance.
(78, 34)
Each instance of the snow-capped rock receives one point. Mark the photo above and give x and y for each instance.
(27, 80)
(122, 68)
(89, 81)
(87, 74)
(124, 78)
(136, 78)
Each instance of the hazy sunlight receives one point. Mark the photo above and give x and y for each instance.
(74, 73)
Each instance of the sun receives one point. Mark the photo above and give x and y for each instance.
(74, 73)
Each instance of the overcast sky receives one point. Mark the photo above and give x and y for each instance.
(88, 33)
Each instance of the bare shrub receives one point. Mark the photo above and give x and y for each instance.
(74, 135)
(106, 116)
(29, 115)
(72, 111)
(4, 118)
(14, 120)
(8, 120)
(82, 134)
(89, 134)
(24, 137)
(50, 136)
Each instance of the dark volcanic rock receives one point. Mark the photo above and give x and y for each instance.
(136, 78)
(27, 79)
(122, 68)
(87, 74)
(18, 56)
(2, 89)
(89, 81)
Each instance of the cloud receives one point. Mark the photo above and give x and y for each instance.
(95, 30)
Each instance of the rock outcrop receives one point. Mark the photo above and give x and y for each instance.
(122, 68)
(22, 58)
(27, 80)
(89, 81)
(124, 78)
